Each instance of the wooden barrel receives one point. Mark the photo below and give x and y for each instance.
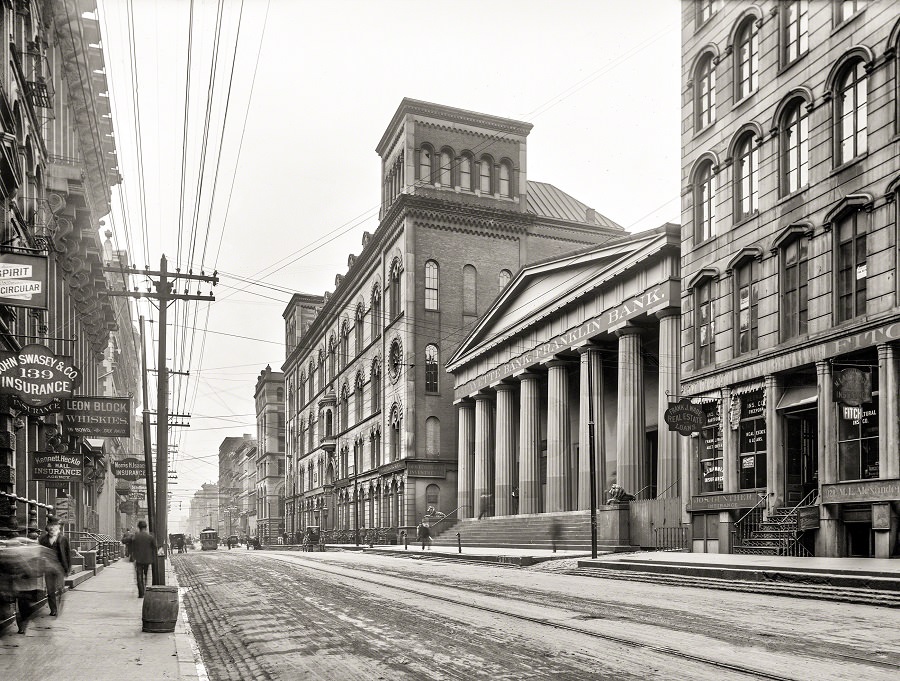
(160, 609)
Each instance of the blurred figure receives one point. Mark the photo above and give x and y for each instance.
(143, 550)
(58, 543)
(555, 533)
(126, 542)
(423, 534)
(487, 505)
(23, 562)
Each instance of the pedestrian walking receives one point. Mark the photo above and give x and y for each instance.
(126, 542)
(487, 505)
(143, 550)
(23, 562)
(423, 534)
(58, 543)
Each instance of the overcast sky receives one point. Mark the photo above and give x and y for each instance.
(291, 178)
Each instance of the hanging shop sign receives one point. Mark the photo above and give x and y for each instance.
(37, 378)
(65, 467)
(23, 280)
(853, 387)
(685, 417)
(97, 416)
(129, 469)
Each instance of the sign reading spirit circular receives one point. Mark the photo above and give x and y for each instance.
(685, 417)
(395, 359)
(36, 376)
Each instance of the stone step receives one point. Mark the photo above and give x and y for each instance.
(78, 577)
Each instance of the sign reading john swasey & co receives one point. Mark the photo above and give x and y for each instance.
(861, 491)
(37, 377)
(724, 502)
(46, 466)
(651, 300)
(23, 280)
(97, 416)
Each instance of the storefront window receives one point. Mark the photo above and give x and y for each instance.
(752, 447)
(710, 442)
(858, 441)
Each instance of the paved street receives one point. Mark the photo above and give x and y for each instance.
(345, 615)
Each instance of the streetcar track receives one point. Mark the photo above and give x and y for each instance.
(663, 650)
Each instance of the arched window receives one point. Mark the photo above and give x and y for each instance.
(432, 436)
(279, 394)
(747, 58)
(705, 92)
(332, 358)
(794, 139)
(470, 279)
(704, 203)
(345, 345)
(358, 328)
(433, 495)
(395, 290)
(329, 423)
(851, 112)
(746, 305)
(503, 278)
(426, 154)
(505, 180)
(431, 285)
(321, 370)
(484, 174)
(846, 9)
(793, 289)
(465, 172)
(345, 407)
(358, 397)
(446, 176)
(396, 434)
(431, 368)
(376, 313)
(794, 30)
(746, 177)
(279, 427)
(851, 251)
(704, 323)
(376, 387)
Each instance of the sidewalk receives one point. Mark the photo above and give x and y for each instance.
(98, 636)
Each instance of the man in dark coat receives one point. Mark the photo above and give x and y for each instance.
(143, 551)
(55, 580)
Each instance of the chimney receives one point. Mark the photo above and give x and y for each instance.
(590, 215)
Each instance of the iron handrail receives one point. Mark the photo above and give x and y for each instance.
(808, 500)
(762, 500)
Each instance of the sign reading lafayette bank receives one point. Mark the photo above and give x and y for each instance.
(651, 300)
(36, 376)
(23, 280)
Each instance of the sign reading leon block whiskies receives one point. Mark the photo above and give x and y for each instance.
(37, 377)
(97, 416)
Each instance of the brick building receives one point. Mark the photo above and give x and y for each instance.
(790, 296)
(270, 430)
(370, 418)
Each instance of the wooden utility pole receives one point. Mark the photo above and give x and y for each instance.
(165, 294)
(148, 457)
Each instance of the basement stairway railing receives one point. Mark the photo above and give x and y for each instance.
(792, 521)
(748, 523)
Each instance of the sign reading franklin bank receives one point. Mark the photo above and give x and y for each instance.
(651, 300)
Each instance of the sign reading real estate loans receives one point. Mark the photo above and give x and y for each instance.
(23, 280)
(37, 377)
(97, 416)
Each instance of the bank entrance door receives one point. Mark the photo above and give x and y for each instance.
(801, 453)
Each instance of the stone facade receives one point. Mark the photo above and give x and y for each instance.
(270, 470)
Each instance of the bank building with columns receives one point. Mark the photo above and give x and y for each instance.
(584, 341)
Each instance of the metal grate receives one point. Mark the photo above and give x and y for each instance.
(38, 94)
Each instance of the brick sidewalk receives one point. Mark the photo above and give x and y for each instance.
(97, 636)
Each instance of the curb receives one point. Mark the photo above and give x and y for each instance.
(190, 662)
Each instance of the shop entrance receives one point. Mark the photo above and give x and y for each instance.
(801, 455)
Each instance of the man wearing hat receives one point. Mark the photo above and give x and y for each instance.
(58, 543)
(143, 551)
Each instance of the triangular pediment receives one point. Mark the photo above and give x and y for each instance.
(540, 289)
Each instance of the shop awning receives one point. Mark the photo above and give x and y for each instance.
(797, 396)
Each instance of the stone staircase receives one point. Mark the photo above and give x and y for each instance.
(777, 535)
(535, 531)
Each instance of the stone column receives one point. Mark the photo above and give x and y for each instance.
(590, 373)
(888, 409)
(669, 441)
(775, 469)
(830, 538)
(631, 436)
(559, 440)
(484, 452)
(465, 482)
(529, 444)
(505, 451)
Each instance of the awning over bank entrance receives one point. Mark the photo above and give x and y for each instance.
(797, 396)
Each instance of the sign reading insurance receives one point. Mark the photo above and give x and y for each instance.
(129, 468)
(97, 416)
(47, 466)
(23, 280)
(37, 377)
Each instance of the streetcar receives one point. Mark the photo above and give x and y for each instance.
(209, 539)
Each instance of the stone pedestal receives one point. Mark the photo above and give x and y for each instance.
(614, 528)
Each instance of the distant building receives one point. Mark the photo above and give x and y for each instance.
(370, 417)
(203, 510)
(270, 469)
(234, 465)
(790, 298)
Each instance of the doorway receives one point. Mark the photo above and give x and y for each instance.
(801, 455)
